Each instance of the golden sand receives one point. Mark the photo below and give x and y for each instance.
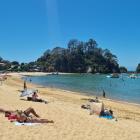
(70, 121)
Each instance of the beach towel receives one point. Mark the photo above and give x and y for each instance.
(108, 117)
(12, 117)
(20, 90)
(29, 124)
(91, 100)
(85, 106)
(85, 99)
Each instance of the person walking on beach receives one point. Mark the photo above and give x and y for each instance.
(103, 93)
(25, 87)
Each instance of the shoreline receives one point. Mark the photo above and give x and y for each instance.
(84, 94)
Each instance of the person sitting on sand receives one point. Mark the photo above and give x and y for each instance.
(13, 113)
(96, 100)
(106, 113)
(34, 98)
(23, 118)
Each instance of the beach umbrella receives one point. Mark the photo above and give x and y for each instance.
(27, 92)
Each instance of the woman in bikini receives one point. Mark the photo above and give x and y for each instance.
(13, 113)
(23, 118)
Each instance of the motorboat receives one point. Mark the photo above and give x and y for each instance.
(114, 75)
(133, 76)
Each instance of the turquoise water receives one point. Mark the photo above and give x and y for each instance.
(91, 84)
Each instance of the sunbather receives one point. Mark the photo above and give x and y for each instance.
(13, 113)
(23, 118)
(106, 113)
(34, 98)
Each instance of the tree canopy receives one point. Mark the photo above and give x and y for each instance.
(138, 68)
(77, 56)
(123, 69)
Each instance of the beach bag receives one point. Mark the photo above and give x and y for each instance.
(111, 112)
(29, 98)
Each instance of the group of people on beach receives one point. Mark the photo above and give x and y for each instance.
(23, 116)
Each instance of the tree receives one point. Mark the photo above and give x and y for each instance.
(1, 67)
(92, 45)
(31, 63)
(15, 63)
(0, 59)
(77, 56)
(72, 45)
(47, 52)
(138, 68)
(57, 50)
(123, 69)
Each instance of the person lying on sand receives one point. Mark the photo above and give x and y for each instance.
(23, 118)
(106, 113)
(13, 113)
(34, 98)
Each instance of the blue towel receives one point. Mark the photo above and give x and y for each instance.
(91, 100)
(108, 117)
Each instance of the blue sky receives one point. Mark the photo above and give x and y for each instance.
(30, 27)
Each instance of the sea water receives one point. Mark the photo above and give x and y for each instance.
(92, 84)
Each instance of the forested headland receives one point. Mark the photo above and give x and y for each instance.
(77, 57)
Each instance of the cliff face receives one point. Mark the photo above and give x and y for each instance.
(88, 69)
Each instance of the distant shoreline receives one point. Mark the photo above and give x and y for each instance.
(79, 93)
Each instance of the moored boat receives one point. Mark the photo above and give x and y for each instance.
(114, 75)
(133, 76)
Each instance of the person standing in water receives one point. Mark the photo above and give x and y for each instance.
(103, 93)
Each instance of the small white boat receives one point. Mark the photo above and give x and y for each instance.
(114, 75)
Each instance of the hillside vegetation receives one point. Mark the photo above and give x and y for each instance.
(77, 56)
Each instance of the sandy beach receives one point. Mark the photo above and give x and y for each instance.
(64, 108)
